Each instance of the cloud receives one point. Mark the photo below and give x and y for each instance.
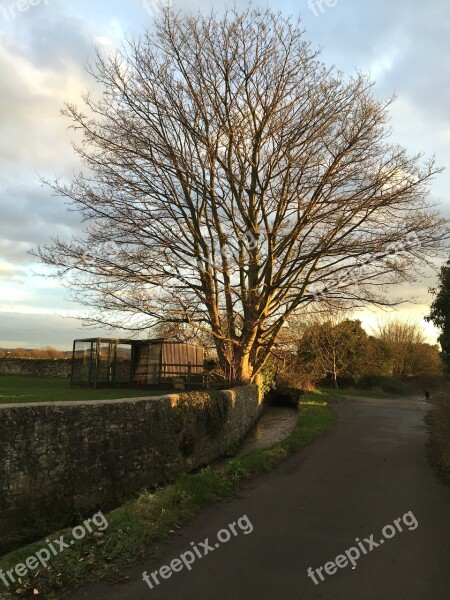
(32, 331)
(30, 215)
(403, 45)
(41, 61)
(33, 136)
(11, 273)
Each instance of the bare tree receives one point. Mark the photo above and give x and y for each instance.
(183, 332)
(230, 174)
(406, 341)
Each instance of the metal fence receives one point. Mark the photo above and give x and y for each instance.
(100, 362)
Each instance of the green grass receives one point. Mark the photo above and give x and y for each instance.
(154, 515)
(24, 388)
(341, 394)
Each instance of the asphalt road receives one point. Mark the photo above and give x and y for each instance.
(369, 471)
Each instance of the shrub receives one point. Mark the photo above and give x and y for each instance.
(439, 424)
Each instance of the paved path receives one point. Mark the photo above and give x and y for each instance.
(370, 470)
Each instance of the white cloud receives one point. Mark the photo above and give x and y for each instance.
(42, 53)
(11, 272)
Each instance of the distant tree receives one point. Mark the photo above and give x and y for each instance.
(379, 357)
(20, 353)
(39, 353)
(50, 352)
(333, 348)
(406, 342)
(427, 360)
(440, 312)
(230, 176)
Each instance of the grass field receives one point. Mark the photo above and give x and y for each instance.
(23, 388)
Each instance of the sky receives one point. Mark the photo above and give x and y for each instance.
(44, 46)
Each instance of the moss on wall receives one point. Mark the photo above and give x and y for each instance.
(67, 456)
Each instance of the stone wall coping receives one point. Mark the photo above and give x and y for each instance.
(63, 403)
(67, 403)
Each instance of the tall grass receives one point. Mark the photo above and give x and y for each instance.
(439, 426)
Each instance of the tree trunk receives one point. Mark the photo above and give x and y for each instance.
(335, 383)
(243, 370)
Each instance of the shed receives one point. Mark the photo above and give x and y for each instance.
(103, 362)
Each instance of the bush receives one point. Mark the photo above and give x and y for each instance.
(394, 386)
(389, 385)
(267, 378)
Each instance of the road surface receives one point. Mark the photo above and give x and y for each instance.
(368, 476)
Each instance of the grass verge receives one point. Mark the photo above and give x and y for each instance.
(354, 392)
(438, 420)
(153, 515)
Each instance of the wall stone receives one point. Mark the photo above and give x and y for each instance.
(36, 366)
(73, 455)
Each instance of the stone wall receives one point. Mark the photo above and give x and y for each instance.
(75, 455)
(38, 367)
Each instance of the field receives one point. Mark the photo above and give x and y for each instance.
(23, 388)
